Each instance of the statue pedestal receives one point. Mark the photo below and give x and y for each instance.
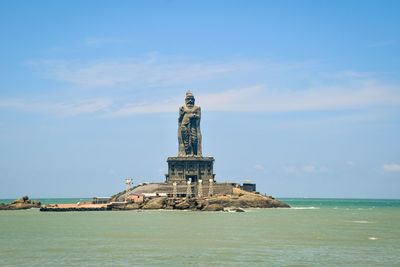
(181, 169)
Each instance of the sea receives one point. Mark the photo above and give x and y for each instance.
(314, 232)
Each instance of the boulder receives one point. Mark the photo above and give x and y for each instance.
(155, 203)
(124, 206)
(279, 204)
(201, 203)
(225, 201)
(132, 206)
(170, 204)
(243, 199)
(21, 204)
(213, 207)
(182, 205)
(237, 210)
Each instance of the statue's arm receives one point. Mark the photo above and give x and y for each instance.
(181, 114)
(199, 113)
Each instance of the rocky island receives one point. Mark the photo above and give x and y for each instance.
(238, 201)
(21, 204)
(190, 183)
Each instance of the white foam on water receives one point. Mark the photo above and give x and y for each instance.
(372, 238)
(361, 222)
(305, 208)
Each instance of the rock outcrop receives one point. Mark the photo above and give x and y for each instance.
(127, 206)
(213, 207)
(243, 199)
(155, 203)
(235, 202)
(21, 204)
(184, 205)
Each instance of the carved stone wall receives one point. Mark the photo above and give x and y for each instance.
(181, 169)
(167, 188)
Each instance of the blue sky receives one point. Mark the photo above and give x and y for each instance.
(301, 97)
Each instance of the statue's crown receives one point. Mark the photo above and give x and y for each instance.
(189, 94)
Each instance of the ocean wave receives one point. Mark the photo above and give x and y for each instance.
(305, 208)
(361, 221)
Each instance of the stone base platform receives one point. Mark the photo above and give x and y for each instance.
(183, 169)
(166, 189)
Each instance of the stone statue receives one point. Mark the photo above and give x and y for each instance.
(189, 135)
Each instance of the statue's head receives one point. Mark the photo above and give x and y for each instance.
(189, 100)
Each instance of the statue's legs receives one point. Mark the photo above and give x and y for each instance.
(194, 140)
(186, 139)
(199, 149)
(181, 147)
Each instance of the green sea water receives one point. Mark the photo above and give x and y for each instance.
(315, 232)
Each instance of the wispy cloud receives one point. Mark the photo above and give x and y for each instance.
(136, 72)
(391, 167)
(236, 85)
(382, 43)
(259, 167)
(248, 99)
(314, 168)
(265, 99)
(260, 99)
(57, 108)
(346, 74)
(306, 168)
(310, 168)
(349, 163)
(142, 108)
(93, 41)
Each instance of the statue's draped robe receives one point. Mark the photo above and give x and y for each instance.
(189, 135)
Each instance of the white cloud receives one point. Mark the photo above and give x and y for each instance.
(142, 108)
(93, 41)
(309, 168)
(237, 85)
(273, 100)
(136, 72)
(306, 168)
(290, 169)
(393, 167)
(345, 74)
(247, 99)
(58, 108)
(259, 99)
(259, 167)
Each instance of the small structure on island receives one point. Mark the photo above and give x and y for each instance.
(128, 183)
(174, 190)
(101, 200)
(210, 187)
(135, 198)
(200, 189)
(189, 189)
(248, 186)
